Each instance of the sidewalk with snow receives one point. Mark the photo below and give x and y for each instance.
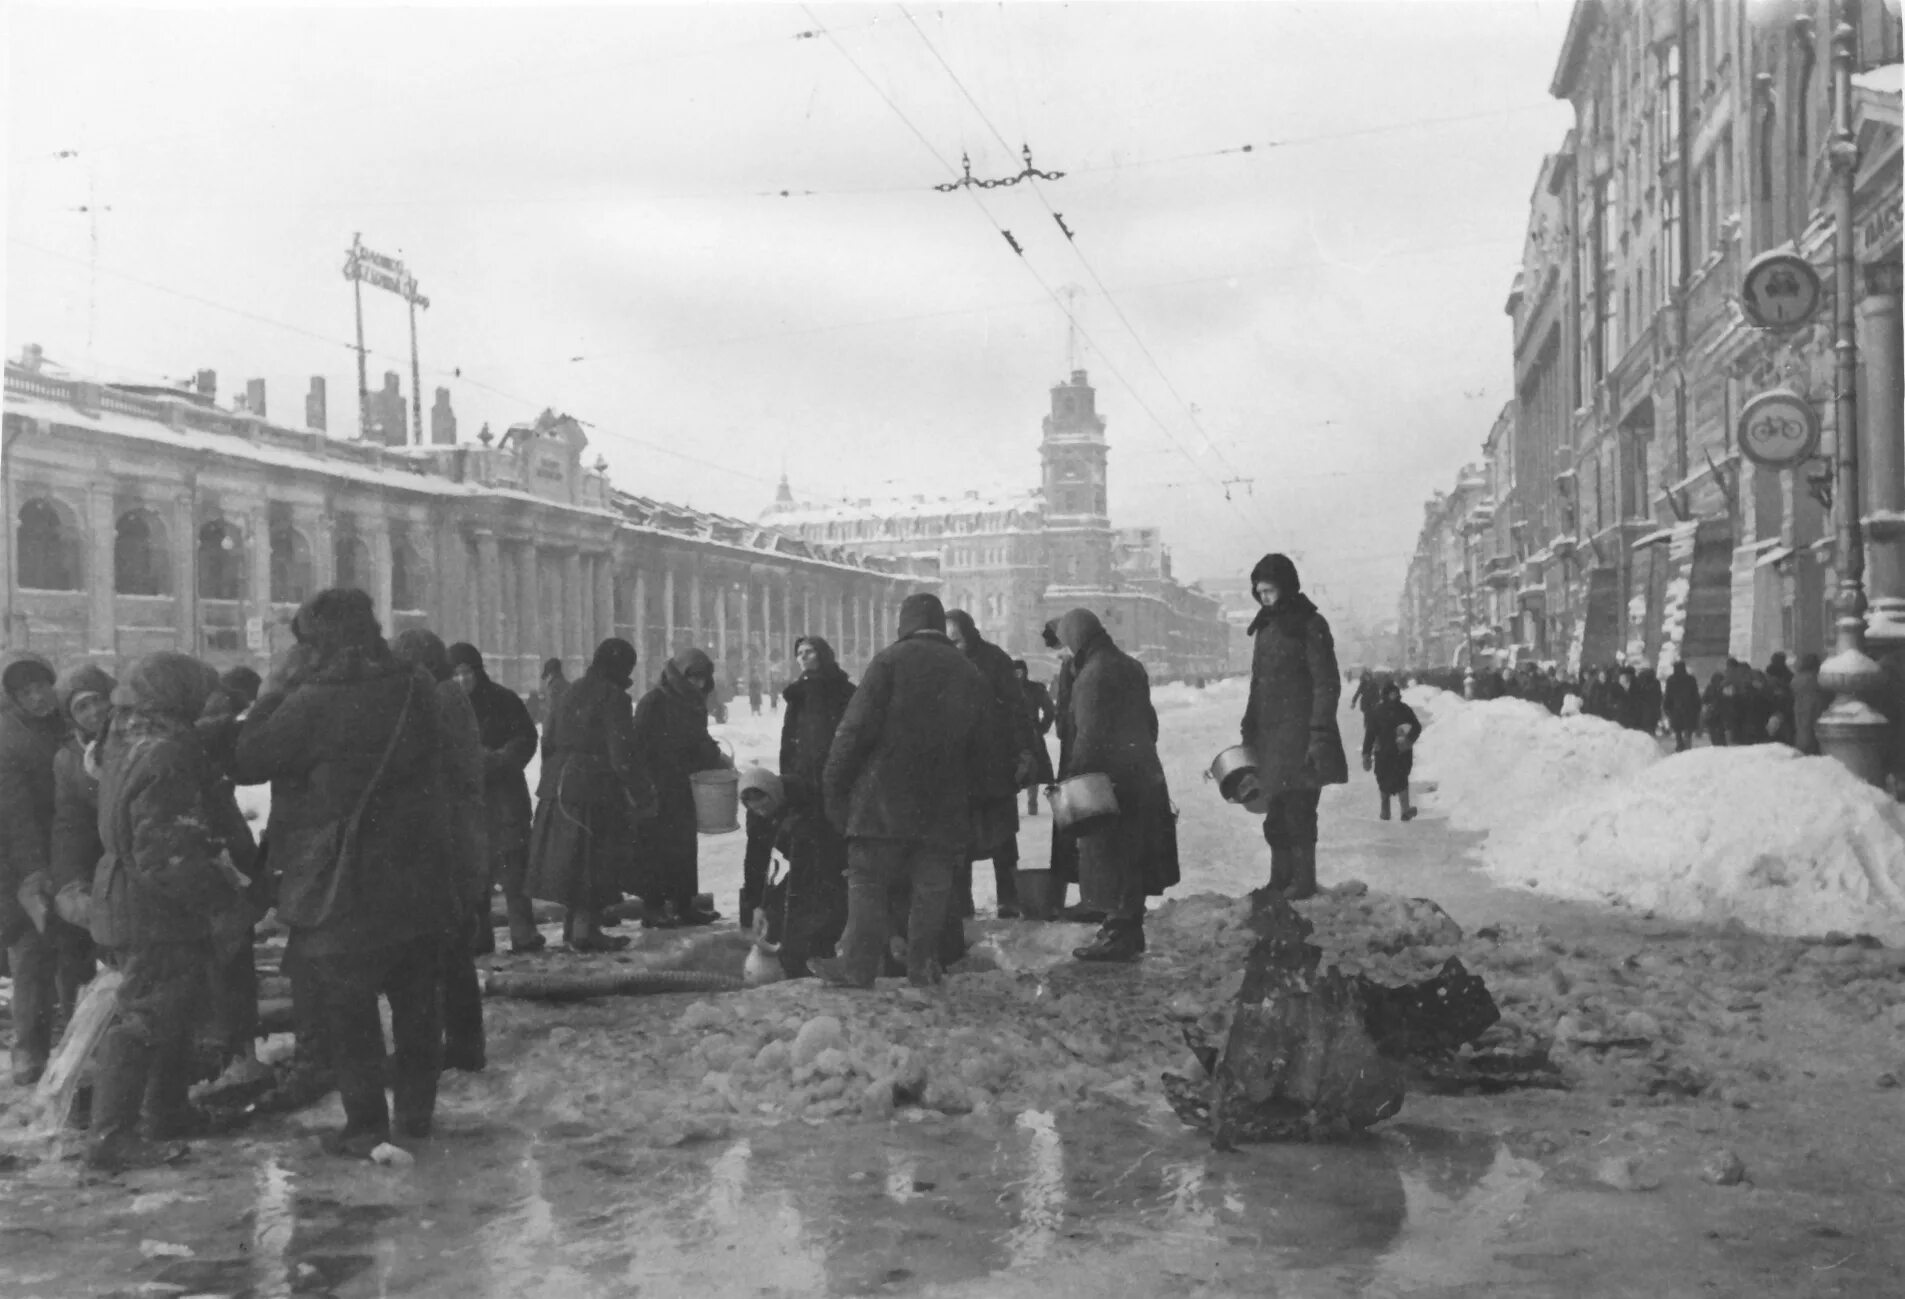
(1580, 808)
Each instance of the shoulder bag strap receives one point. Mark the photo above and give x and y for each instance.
(347, 842)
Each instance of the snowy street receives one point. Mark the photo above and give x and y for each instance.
(754, 1143)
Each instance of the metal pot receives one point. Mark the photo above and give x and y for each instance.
(1083, 801)
(1230, 767)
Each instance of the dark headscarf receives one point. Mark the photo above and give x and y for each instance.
(423, 648)
(465, 655)
(81, 679)
(1080, 629)
(166, 685)
(829, 664)
(1280, 571)
(242, 684)
(968, 631)
(553, 667)
(675, 674)
(24, 671)
(1050, 635)
(920, 612)
(614, 661)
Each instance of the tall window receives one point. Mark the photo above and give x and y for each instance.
(49, 547)
(409, 583)
(221, 562)
(354, 566)
(141, 559)
(291, 581)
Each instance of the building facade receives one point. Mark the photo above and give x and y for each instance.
(1015, 562)
(1637, 530)
(143, 521)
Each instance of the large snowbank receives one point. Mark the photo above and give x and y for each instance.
(1505, 762)
(1784, 843)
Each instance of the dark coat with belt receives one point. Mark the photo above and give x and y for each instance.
(815, 705)
(1116, 735)
(595, 789)
(27, 747)
(351, 883)
(1294, 691)
(910, 751)
(508, 736)
(672, 744)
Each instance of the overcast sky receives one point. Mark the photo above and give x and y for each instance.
(590, 197)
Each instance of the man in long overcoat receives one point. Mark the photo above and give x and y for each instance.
(898, 784)
(1290, 722)
(31, 731)
(508, 736)
(1011, 740)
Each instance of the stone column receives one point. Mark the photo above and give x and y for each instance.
(258, 603)
(317, 529)
(528, 614)
(767, 631)
(377, 535)
(489, 585)
(694, 603)
(185, 572)
(605, 598)
(747, 622)
(644, 668)
(1882, 458)
(807, 610)
(721, 624)
(574, 627)
(102, 523)
(668, 610)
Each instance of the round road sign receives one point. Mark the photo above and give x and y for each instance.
(1780, 291)
(1779, 429)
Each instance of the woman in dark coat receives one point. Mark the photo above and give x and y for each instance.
(815, 704)
(1680, 706)
(350, 740)
(174, 848)
(31, 732)
(1116, 735)
(672, 744)
(1064, 858)
(85, 698)
(595, 791)
(508, 736)
(1716, 706)
(995, 808)
(1290, 722)
(1038, 704)
(1389, 748)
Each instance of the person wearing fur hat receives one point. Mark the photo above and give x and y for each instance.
(1115, 734)
(466, 830)
(350, 739)
(31, 731)
(672, 741)
(908, 758)
(175, 850)
(595, 794)
(509, 740)
(85, 698)
(1290, 721)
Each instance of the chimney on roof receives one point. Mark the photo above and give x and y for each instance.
(442, 420)
(32, 357)
(206, 384)
(255, 397)
(314, 412)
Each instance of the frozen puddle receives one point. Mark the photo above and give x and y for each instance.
(1036, 1204)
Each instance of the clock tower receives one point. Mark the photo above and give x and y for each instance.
(1077, 518)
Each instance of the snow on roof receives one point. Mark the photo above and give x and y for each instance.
(917, 507)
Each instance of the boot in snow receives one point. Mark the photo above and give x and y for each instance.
(1119, 940)
(1385, 807)
(1280, 868)
(1302, 873)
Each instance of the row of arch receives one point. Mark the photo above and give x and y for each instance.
(51, 556)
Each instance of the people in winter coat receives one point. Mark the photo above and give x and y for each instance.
(1366, 699)
(508, 736)
(1390, 749)
(596, 791)
(816, 702)
(1290, 721)
(465, 828)
(802, 915)
(350, 739)
(554, 684)
(1038, 704)
(672, 740)
(1809, 701)
(753, 694)
(174, 852)
(1716, 705)
(1116, 735)
(1649, 700)
(1064, 854)
(1777, 670)
(31, 732)
(1012, 738)
(84, 692)
(899, 783)
(1680, 706)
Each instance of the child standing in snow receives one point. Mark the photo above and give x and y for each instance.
(1389, 748)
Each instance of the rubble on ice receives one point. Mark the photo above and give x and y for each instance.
(1503, 762)
(1783, 843)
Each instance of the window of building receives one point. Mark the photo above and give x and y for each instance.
(49, 545)
(141, 559)
(291, 581)
(409, 580)
(221, 562)
(353, 562)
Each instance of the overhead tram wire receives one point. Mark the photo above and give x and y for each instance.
(1032, 270)
(1091, 270)
(456, 374)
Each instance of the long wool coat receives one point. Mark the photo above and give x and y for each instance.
(815, 705)
(27, 747)
(595, 789)
(672, 740)
(1294, 690)
(320, 745)
(508, 736)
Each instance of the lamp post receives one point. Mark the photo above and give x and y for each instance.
(1851, 730)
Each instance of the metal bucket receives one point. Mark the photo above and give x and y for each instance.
(1230, 767)
(717, 797)
(1084, 803)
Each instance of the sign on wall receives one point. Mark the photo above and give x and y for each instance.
(1778, 429)
(1780, 290)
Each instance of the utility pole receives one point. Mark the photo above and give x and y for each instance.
(415, 300)
(352, 273)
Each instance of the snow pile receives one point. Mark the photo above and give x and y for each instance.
(1784, 843)
(1503, 762)
(1178, 694)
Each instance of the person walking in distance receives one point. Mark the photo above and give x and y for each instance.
(1389, 749)
(1290, 721)
(898, 785)
(1680, 706)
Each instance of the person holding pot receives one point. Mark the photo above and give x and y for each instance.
(672, 742)
(1389, 749)
(509, 739)
(995, 807)
(1290, 721)
(1115, 734)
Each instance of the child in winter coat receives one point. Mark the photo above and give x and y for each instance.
(802, 914)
